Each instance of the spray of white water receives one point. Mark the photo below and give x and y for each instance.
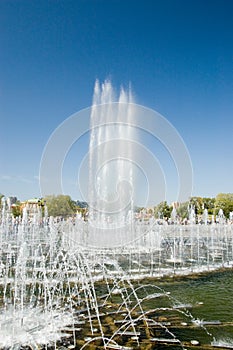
(111, 178)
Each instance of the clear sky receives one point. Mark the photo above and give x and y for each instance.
(177, 55)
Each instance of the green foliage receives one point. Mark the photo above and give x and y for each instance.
(81, 204)
(60, 205)
(16, 209)
(63, 205)
(182, 210)
(209, 204)
(163, 210)
(201, 203)
(224, 201)
(1, 195)
(197, 203)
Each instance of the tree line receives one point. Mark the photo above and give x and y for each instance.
(60, 205)
(64, 205)
(222, 201)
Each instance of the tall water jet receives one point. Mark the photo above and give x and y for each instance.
(111, 177)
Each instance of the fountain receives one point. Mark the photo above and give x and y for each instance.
(111, 174)
(89, 284)
(205, 216)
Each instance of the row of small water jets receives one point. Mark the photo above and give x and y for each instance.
(56, 291)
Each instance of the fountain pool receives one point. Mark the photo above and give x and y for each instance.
(55, 292)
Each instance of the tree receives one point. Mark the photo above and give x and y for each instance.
(60, 205)
(1, 196)
(224, 201)
(197, 203)
(209, 203)
(16, 209)
(81, 204)
(163, 210)
(182, 210)
(201, 203)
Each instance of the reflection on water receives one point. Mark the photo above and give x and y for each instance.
(209, 299)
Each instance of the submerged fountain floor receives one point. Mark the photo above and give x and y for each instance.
(141, 316)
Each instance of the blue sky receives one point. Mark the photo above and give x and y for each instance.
(178, 56)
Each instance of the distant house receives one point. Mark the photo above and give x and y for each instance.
(32, 205)
(145, 213)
